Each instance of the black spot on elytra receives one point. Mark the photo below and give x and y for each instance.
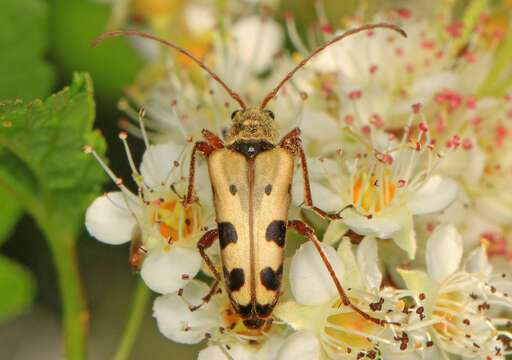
(271, 279)
(254, 323)
(268, 189)
(232, 189)
(245, 310)
(276, 232)
(227, 234)
(264, 310)
(234, 279)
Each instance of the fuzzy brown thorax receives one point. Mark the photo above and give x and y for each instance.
(252, 124)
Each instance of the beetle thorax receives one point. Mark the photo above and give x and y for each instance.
(252, 124)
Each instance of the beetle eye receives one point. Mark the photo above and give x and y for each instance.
(271, 114)
(233, 114)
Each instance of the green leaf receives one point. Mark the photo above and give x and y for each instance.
(24, 37)
(41, 159)
(18, 289)
(10, 212)
(113, 65)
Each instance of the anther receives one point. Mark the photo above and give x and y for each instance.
(87, 149)
(142, 112)
(353, 95)
(123, 135)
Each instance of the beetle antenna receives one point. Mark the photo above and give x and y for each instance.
(322, 47)
(231, 93)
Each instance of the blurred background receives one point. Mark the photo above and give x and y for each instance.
(43, 43)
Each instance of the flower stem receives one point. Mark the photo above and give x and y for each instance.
(74, 309)
(139, 308)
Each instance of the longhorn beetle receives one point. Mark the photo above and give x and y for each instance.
(251, 177)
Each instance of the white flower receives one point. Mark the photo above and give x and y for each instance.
(258, 40)
(214, 321)
(387, 182)
(322, 321)
(163, 232)
(455, 300)
(188, 100)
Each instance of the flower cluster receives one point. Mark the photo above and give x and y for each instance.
(413, 133)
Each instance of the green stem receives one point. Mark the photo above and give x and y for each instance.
(139, 308)
(75, 316)
(492, 85)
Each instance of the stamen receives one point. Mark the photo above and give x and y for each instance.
(123, 135)
(118, 181)
(294, 35)
(142, 113)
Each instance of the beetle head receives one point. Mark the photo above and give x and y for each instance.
(252, 123)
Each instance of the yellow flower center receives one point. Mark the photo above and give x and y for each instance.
(448, 301)
(176, 221)
(372, 194)
(350, 332)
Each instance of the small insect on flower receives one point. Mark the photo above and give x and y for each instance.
(251, 175)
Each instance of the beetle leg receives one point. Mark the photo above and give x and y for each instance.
(206, 149)
(292, 143)
(308, 200)
(204, 243)
(212, 139)
(306, 231)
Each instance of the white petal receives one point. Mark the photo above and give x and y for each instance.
(477, 261)
(420, 282)
(475, 226)
(270, 348)
(163, 271)
(109, 220)
(157, 161)
(334, 232)
(406, 238)
(319, 126)
(236, 351)
(494, 209)
(199, 18)
(368, 261)
(213, 352)
(322, 196)
(300, 317)
(444, 252)
(435, 195)
(352, 276)
(177, 323)
(379, 225)
(310, 281)
(302, 345)
(258, 40)
(432, 84)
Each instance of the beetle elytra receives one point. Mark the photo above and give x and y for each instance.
(251, 176)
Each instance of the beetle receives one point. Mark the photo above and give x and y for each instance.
(251, 176)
